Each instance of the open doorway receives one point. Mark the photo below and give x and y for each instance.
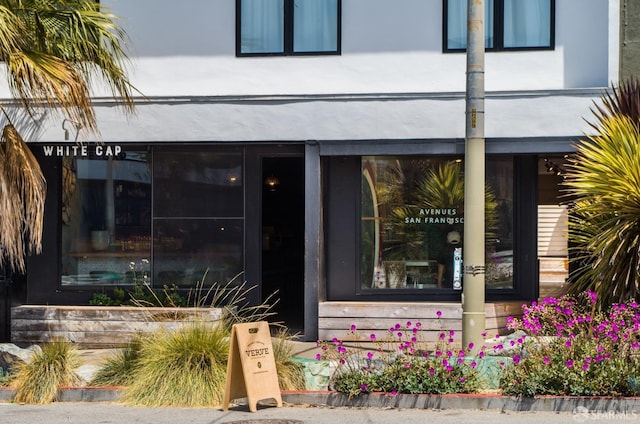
(283, 237)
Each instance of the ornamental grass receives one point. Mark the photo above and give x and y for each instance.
(38, 381)
(182, 368)
(119, 369)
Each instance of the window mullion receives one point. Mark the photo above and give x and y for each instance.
(288, 26)
(498, 25)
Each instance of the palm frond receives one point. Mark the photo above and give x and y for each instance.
(603, 179)
(22, 197)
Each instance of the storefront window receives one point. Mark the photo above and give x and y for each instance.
(164, 217)
(413, 220)
(198, 216)
(106, 219)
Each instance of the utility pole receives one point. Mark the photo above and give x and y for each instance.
(473, 299)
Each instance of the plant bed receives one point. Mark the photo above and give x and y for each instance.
(99, 327)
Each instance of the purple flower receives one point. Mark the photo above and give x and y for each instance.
(353, 327)
(318, 356)
(516, 359)
(364, 388)
(372, 337)
(569, 363)
(432, 371)
(546, 359)
(438, 314)
(473, 364)
(471, 345)
(369, 355)
(394, 393)
(408, 324)
(462, 379)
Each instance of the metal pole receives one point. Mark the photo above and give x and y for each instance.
(473, 313)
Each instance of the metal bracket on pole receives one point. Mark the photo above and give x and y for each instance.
(474, 269)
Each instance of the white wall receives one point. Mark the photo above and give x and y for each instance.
(388, 46)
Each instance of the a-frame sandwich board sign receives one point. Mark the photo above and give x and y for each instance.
(251, 368)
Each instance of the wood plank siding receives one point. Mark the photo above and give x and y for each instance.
(97, 326)
(335, 318)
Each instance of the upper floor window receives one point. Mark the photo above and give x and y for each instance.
(287, 27)
(509, 24)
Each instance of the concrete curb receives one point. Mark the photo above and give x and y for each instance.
(401, 401)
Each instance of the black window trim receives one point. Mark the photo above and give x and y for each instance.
(288, 34)
(498, 30)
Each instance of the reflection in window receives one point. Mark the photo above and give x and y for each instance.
(412, 222)
(288, 27)
(509, 24)
(114, 234)
(106, 219)
(198, 216)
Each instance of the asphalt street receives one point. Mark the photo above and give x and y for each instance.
(112, 413)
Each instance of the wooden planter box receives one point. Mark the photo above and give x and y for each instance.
(96, 327)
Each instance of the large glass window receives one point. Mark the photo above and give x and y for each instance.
(198, 216)
(509, 24)
(287, 27)
(413, 219)
(162, 217)
(106, 219)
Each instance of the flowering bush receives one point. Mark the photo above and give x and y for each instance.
(589, 352)
(400, 362)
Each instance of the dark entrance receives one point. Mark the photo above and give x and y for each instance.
(283, 237)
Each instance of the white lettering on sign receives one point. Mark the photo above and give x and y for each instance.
(435, 216)
(82, 150)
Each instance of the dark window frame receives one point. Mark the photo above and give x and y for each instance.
(288, 34)
(498, 30)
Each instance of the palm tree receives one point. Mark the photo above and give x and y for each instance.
(603, 185)
(53, 51)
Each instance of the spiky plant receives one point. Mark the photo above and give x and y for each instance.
(38, 381)
(181, 368)
(603, 183)
(290, 372)
(119, 370)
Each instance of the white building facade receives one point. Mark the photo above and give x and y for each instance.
(303, 146)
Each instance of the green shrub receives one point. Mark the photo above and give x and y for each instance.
(402, 363)
(38, 381)
(570, 350)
